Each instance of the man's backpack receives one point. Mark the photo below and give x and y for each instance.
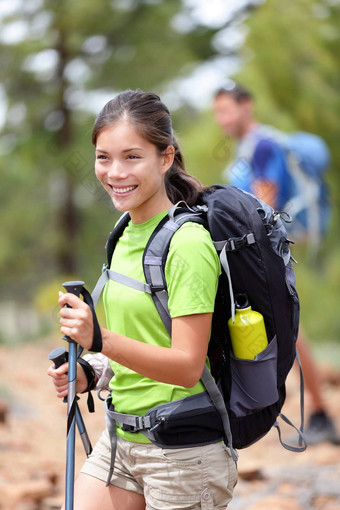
(252, 243)
(307, 160)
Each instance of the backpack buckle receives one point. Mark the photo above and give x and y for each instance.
(156, 288)
(142, 422)
(235, 243)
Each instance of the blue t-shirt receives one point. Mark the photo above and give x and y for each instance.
(260, 157)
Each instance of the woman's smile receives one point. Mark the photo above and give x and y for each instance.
(123, 190)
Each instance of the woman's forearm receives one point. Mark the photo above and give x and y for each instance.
(163, 364)
(181, 364)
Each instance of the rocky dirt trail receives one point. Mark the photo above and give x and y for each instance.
(33, 444)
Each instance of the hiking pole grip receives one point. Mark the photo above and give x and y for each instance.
(58, 356)
(73, 287)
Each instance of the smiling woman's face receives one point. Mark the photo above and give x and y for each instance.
(132, 171)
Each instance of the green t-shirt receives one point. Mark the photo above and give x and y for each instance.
(191, 271)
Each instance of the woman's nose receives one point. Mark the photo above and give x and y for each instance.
(116, 170)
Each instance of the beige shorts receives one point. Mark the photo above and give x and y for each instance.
(170, 479)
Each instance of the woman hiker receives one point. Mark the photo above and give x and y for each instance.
(139, 164)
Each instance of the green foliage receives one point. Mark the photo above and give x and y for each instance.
(318, 289)
(205, 149)
(55, 216)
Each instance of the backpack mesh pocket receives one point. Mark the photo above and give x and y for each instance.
(254, 382)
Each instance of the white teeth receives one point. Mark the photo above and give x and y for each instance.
(123, 190)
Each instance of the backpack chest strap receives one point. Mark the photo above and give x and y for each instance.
(156, 289)
(108, 274)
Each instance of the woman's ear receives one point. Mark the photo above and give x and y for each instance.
(168, 158)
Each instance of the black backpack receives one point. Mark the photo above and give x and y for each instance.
(253, 247)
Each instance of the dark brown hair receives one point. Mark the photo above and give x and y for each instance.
(151, 118)
(236, 91)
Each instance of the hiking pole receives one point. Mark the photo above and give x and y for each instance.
(73, 288)
(59, 356)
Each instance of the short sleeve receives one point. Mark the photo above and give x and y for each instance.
(192, 271)
(268, 161)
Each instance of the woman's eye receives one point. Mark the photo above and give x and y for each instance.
(101, 156)
(133, 156)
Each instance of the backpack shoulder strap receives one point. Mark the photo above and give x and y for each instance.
(110, 247)
(116, 233)
(155, 255)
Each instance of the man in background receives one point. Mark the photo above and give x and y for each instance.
(260, 167)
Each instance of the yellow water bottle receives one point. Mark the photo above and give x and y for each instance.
(248, 332)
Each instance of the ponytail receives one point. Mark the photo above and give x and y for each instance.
(179, 185)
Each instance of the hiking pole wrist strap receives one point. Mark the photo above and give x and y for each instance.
(91, 382)
(97, 341)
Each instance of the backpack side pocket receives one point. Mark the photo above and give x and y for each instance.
(254, 382)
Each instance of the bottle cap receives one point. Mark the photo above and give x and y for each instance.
(241, 301)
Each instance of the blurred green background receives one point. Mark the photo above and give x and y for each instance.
(61, 61)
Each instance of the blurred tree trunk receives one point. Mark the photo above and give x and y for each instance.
(68, 221)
